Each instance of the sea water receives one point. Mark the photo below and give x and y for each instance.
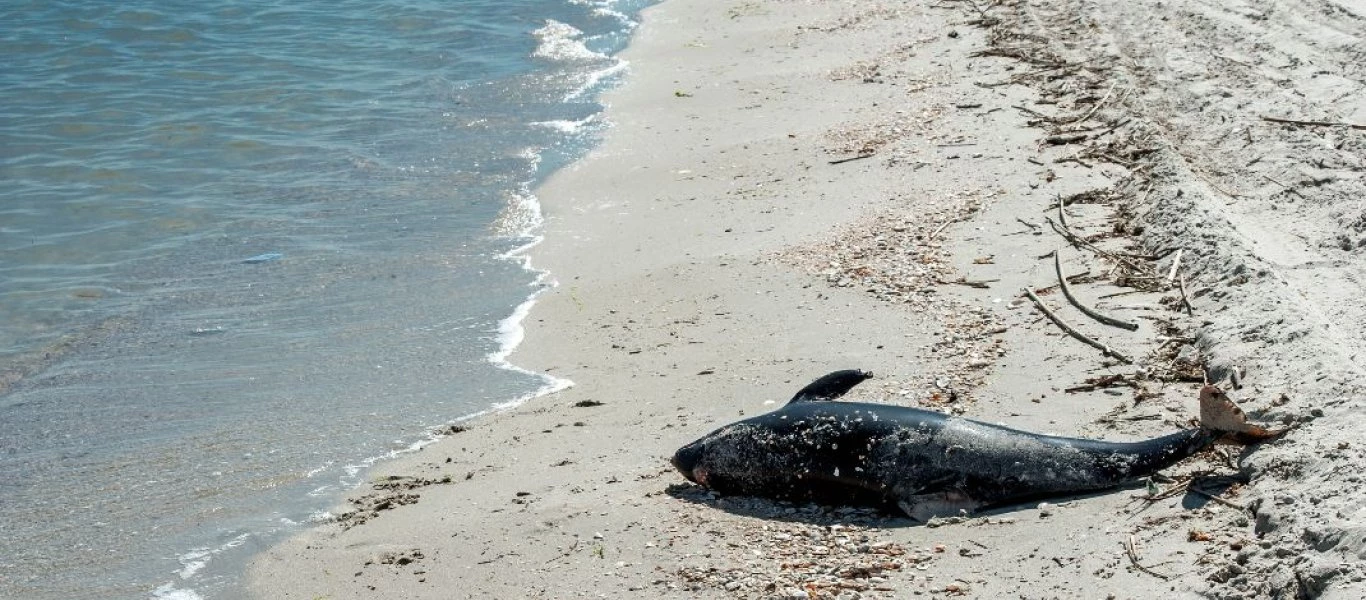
(248, 248)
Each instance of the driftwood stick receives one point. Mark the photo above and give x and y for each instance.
(851, 158)
(1217, 498)
(1185, 300)
(1176, 263)
(1073, 332)
(1067, 291)
(1097, 105)
(1131, 549)
(1312, 123)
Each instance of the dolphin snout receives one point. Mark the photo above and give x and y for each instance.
(686, 459)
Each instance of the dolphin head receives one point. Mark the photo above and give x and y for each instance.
(688, 461)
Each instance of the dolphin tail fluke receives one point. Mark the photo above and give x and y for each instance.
(1219, 413)
(831, 386)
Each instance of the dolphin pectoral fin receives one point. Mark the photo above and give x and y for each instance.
(923, 507)
(1219, 413)
(831, 386)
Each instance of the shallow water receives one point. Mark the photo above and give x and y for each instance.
(247, 249)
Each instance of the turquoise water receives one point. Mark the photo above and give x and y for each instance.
(249, 248)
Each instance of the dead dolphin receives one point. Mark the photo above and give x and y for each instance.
(929, 464)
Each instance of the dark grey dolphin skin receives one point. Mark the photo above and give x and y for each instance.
(929, 464)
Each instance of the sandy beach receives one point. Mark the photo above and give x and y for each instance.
(791, 187)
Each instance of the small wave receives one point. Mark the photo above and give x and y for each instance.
(606, 8)
(592, 81)
(510, 335)
(521, 215)
(619, 16)
(171, 592)
(322, 516)
(314, 472)
(560, 41)
(567, 126)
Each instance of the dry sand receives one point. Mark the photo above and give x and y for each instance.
(711, 260)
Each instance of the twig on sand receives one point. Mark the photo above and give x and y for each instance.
(1216, 498)
(1312, 123)
(941, 227)
(1061, 227)
(1106, 381)
(572, 547)
(1067, 291)
(1106, 350)
(1180, 282)
(1097, 105)
(851, 158)
(1185, 300)
(1132, 551)
(977, 283)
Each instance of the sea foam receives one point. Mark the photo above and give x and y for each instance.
(561, 41)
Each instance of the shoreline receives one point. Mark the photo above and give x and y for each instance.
(716, 251)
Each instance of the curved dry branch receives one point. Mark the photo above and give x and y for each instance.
(1073, 332)
(1067, 291)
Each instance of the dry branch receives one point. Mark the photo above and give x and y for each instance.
(1185, 300)
(851, 158)
(1106, 350)
(1098, 105)
(1312, 123)
(1176, 263)
(1067, 291)
(1132, 551)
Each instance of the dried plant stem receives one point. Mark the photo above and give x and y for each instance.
(1106, 350)
(1067, 291)
(1176, 263)
(1097, 105)
(1131, 549)
(1185, 300)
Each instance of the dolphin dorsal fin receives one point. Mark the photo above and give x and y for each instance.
(831, 386)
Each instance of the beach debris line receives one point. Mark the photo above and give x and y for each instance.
(451, 429)
(898, 255)
(389, 493)
(823, 552)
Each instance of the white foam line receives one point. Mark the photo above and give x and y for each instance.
(567, 126)
(171, 592)
(595, 78)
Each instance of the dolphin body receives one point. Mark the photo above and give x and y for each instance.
(927, 463)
